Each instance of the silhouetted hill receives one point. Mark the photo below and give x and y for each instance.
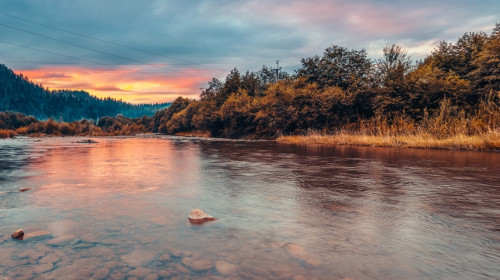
(18, 94)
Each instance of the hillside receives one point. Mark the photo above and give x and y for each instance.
(18, 94)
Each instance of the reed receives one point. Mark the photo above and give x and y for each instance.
(487, 141)
(480, 131)
(7, 133)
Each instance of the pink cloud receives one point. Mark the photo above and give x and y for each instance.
(131, 84)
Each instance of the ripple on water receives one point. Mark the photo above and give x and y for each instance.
(118, 209)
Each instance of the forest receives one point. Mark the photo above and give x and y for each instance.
(453, 92)
(19, 94)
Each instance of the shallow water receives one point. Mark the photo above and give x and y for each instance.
(118, 210)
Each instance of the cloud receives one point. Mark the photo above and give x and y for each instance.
(191, 41)
(126, 83)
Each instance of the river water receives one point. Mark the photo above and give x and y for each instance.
(118, 209)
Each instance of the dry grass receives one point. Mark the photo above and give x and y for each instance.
(445, 130)
(195, 133)
(487, 141)
(7, 133)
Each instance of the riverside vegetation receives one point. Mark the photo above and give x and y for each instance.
(450, 99)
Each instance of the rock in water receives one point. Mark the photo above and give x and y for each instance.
(198, 216)
(41, 234)
(24, 189)
(18, 234)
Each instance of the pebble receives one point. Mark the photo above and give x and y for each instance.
(140, 272)
(37, 235)
(300, 253)
(50, 259)
(30, 253)
(165, 258)
(152, 276)
(181, 269)
(139, 257)
(225, 267)
(43, 268)
(197, 265)
(101, 273)
(63, 240)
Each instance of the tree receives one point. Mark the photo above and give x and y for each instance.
(486, 75)
(394, 65)
(347, 69)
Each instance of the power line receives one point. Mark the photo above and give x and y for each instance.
(106, 41)
(72, 57)
(132, 48)
(91, 49)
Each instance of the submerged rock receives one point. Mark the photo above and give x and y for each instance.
(198, 216)
(18, 234)
(24, 189)
(197, 265)
(87, 141)
(63, 240)
(300, 253)
(225, 267)
(41, 234)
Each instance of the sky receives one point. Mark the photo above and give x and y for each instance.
(147, 51)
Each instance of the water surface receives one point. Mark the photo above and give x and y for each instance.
(118, 210)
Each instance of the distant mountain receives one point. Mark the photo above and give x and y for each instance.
(18, 94)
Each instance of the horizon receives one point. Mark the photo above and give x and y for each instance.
(155, 51)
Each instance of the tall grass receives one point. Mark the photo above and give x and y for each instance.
(445, 130)
(7, 133)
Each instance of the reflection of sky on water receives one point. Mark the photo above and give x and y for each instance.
(281, 210)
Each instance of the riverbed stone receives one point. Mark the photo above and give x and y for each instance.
(140, 272)
(198, 216)
(225, 267)
(197, 265)
(4, 238)
(165, 258)
(24, 189)
(63, 227)
(181, 269)
(152, 276)
(37, 235)
(50, 259)
(100, 251)
(31, 254)
(18, 234)
(139, 257)
(165, 273)
(101, 273)
(63, 240)
(44, 267)
(300, 253)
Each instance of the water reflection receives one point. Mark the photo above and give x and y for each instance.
(118, 209)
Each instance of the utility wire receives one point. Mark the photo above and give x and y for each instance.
(72, 57)
(108, 42)
(94, 50)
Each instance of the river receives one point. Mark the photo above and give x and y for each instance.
(118, 209)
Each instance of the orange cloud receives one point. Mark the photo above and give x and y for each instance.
(131, 84)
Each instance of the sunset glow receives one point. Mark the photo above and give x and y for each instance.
(155, 51)
(131, 85)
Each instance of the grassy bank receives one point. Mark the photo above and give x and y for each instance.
(480, 131)
(487, 141)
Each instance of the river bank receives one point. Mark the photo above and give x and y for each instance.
(489, 141)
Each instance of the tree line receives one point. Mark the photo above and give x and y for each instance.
(19, 94)
(455, 89)
(344, 89)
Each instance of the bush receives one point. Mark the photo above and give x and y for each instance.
(7, 133)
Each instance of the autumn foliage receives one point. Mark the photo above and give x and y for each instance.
(454, 92)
